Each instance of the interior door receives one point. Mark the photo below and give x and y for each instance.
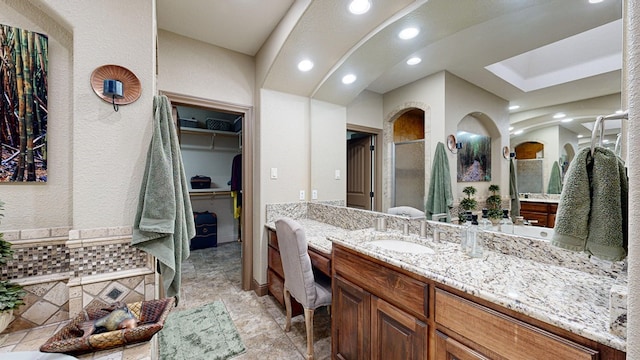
(359, 173)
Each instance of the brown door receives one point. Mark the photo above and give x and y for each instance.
(359, 176)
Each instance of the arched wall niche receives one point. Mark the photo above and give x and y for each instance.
(479, 123)
(387, 147)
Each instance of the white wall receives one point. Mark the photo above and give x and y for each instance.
(98, 155)
(366, 110)
(328, 131)
(284, 145)
(191, 67)
(29, 206)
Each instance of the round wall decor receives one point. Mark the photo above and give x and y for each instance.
(130, 84)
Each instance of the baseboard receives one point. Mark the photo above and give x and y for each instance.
(260, 290)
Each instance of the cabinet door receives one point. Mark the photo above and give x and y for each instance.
(449, 349)
(395, 334)
(350, 321)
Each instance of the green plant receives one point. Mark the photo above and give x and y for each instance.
(494, 203)
(468, 203)
(11, 294)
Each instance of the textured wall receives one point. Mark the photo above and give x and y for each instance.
(633, 93)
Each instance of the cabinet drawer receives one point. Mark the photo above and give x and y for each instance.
(275, 263)
(401, 290)
(535, 207)
(320, 261)
(276, 289)
(501, 334)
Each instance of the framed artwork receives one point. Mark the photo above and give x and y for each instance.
(23, 105)
(474, 158)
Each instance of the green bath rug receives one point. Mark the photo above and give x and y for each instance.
(203, 333)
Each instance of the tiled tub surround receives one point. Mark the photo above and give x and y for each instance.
(563, 288)
(63, 270)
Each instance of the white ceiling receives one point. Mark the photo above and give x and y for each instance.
(461, 36)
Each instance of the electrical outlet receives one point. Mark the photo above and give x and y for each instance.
(301, 194)
(314, 194)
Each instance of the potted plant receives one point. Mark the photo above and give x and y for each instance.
(11, 294)
(494, 204)
(468, 203)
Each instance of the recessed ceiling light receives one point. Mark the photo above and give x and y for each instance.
(348, 79)
(408, 33)
(605, 141)
(414, 61)
(595, 1)
(619, 111)
(510, 128)
(567, 120)
(359, 7)
(518, 132)
(305, 65)
(559, 115)
(580, 136)
(514, 107)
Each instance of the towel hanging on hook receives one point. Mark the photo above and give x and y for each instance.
(600, 124)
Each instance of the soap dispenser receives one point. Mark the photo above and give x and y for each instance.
(474, 242)
(506, 225)
(485, 223)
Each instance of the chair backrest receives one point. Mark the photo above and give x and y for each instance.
(298, 272)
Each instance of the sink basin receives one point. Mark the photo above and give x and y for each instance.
(402, 246)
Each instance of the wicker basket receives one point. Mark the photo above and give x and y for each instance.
(71, 340)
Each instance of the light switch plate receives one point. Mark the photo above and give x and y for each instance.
(337, 174)
(274, 173)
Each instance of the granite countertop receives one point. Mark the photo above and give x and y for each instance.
(570, 299)
(317, 234)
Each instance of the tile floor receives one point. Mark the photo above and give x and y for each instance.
(214, 274)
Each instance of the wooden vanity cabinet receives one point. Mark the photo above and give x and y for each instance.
(377, 312)
(544, 213)
(495, 335)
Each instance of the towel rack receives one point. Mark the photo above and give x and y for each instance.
(600, 125)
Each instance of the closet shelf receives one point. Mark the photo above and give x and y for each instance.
(198, 131)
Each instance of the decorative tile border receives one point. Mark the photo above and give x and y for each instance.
(61, 268)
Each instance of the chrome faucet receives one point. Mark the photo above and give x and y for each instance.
(438, 217)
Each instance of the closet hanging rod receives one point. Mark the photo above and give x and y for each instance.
(600, 125)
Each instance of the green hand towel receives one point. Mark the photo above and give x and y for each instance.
(164, 222)
(513, 191)
(555, 182)
(440, 198)
(593, 210)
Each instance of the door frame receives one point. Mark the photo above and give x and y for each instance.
(246, 215)
(377, 154)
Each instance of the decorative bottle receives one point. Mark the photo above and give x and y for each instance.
(464, 234)
(485, 223)
(506, 225)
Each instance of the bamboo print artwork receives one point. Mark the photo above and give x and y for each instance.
(23, 105)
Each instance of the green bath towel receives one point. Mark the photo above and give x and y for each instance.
(555, 182)
(164, 222)
(440, 198)
(513, 191)
(593, 210)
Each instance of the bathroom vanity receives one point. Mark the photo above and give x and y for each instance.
(523, 299)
